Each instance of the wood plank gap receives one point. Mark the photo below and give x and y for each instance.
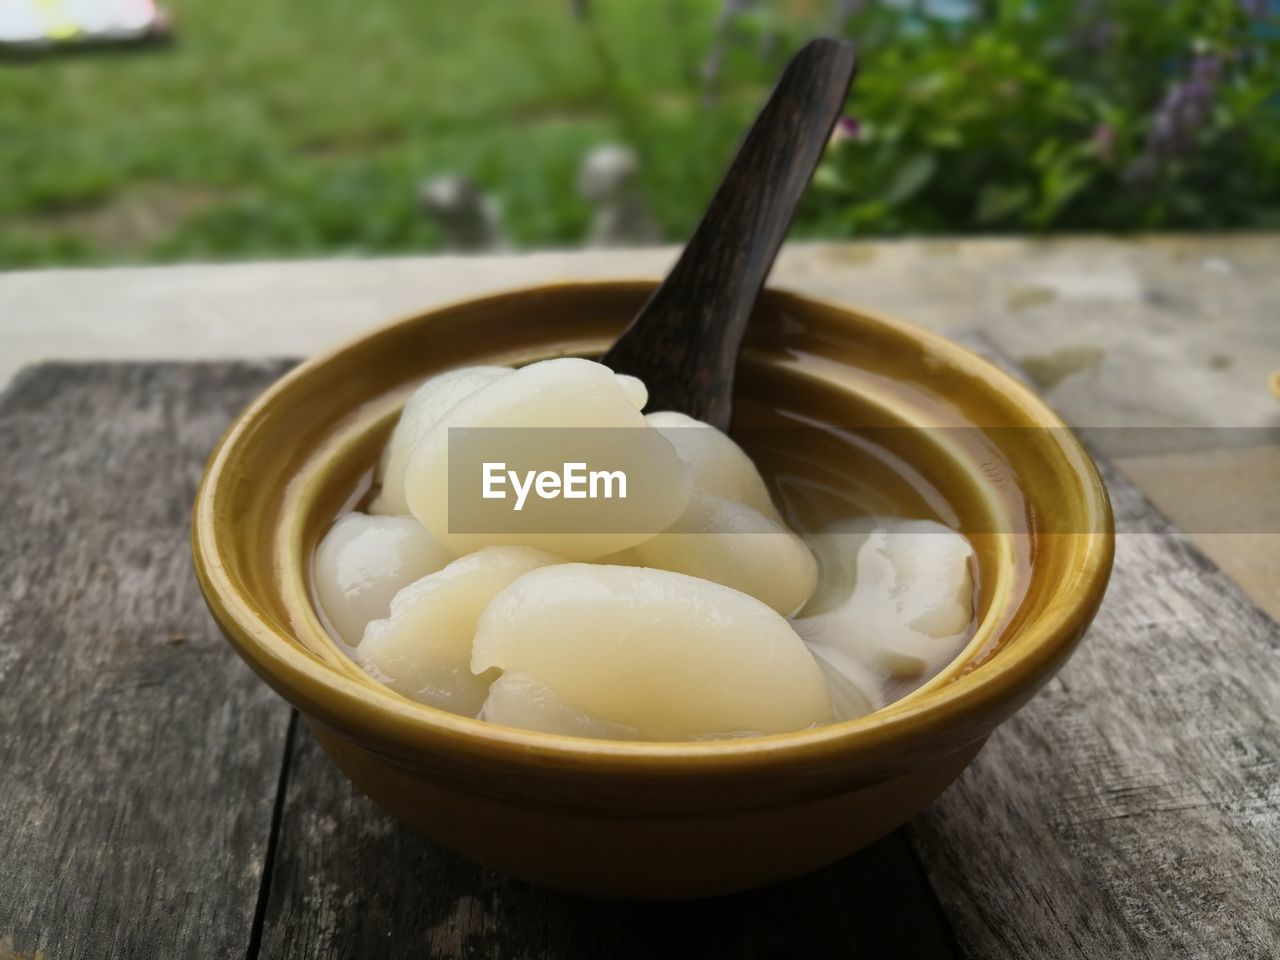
(273, 841)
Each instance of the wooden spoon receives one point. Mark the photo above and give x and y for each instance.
(684, 342)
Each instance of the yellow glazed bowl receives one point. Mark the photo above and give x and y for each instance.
(661, 820)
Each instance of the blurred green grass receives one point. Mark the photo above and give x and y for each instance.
(273, 128)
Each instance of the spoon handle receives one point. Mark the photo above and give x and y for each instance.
(684, 342)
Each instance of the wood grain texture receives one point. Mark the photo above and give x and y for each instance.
(350, 882)
(1132, 809)
(139, 759)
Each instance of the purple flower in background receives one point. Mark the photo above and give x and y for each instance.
(846, 128)
(1257, 9)
(1183, 111)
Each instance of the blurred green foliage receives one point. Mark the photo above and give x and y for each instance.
(276, 128)
(272, 128)
(1060, 115)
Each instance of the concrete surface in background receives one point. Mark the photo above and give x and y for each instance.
(1146, 332)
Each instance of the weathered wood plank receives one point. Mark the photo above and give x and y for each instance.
(1133, 807)
(1130, 810)
(351, 882)
(1113, 817)
(139, 758)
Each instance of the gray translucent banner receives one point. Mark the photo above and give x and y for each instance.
(536, 480)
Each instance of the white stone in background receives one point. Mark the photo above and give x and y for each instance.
(422, 650)
(363, 561)
(671, 656)
(609, 180)
(431, 401)
(470, 221)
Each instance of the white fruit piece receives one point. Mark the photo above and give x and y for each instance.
(895, 594)
(836, 550)
(634, 389)
(671, 656)
(564, 393)
(732, 544)
(720, 467)
(363, 561)
(431, 401)
(933, 565)
(855, 690)
(521, 700)
(423, 649)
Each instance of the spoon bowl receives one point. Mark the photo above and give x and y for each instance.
(658, 820)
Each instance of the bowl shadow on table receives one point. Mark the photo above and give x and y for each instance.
(347, 879)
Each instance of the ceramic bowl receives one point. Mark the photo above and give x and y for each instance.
(661, 820)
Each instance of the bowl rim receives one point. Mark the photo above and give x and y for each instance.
(402, 727)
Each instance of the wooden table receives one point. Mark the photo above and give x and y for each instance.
(159, 801)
